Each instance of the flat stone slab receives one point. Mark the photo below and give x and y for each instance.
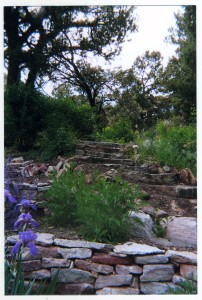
(112, 280)
(152, 259)
(182, 257)
(73, 276)
(137, 249)
(189, 192)
(75, 253)
(156, 288)
(156, 272)
(43, 239)
(118, 291)
(182, 232)
(82, 244)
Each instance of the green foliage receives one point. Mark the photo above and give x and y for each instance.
(100, 208)
(160, 226)
(15, 285)
(170, 144)
(186, 287)
(120, 131)
(24, 112)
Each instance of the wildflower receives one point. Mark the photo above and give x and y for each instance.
(8, 195)
(25, 219)
(27, 204)
(27, 239)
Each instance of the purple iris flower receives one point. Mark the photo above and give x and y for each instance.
(25, 219)
(27, 238)
(26, 204)
(8, 195)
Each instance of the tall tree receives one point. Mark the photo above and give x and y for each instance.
(34, 35)
(180, 76)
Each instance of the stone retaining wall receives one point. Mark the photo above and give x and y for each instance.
(102, 269)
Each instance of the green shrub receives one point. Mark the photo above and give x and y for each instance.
(120, 131)
(170, 144)
(24, 114)
(186, 287)
(100, 208)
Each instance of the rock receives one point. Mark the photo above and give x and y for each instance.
(32, 265)
(90, 266)
(189, 192)
(111, 259)
(151, 259)
(166, 169)
(82, 244)
(155, 288)
(182, 257)
(143, 230)
(112, 280)
(156, 272)
(73, 276)
(19, 160)
(118, 291)
(182, 231)
(55, 262)
(60, 172)
(109, 175)
(125, 270)
(59, 165)
(75, 289)
(75, 253)
(131, 248)
(148, 209)
(44, 239)
(41, 252)
(179, 280)
(153, 168)
(188, 271)
(160, 170)
(41, 274)
(187, 177)
(164, 178)
(50, 169)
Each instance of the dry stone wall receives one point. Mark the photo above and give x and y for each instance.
(103, 269)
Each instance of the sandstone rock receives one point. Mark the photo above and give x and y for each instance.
(41, 252)
(111, 259)
(75, 289)
(157, 272)
(55, 262)
(182, 257)
(82, 244)
(187, 177)
(73, 276)
(41, 274)
(90, 266)
(19, 160)
(112, 280)
(121, 269)
(156, 288)
(188, 271)
(44, 239)
(179, 280)
(182, 231)
(75, 253)
(143, 230)
(151, 259)
(131, 248)
(118, 291)
(164, 178)
(32, 265)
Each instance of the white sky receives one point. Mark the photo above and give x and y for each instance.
(153, 23)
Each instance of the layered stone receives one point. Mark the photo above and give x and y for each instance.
(75, 253)
(41, 252)
(111, 259)
(91, 266)
(112, 280)
(131, 248)
(156, 288)
(55, 262)
(182, 257)
(125, 270)
(32, 265)
(151, 259)
(118, 291)
(82, 244)
(157, 272)
(188, 271)
(75, 289)
(73, 276)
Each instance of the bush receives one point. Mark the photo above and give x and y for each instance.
(121, 132)
(24, 112)
(100, 208)
(170, 144)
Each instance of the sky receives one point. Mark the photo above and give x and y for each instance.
(153, 24)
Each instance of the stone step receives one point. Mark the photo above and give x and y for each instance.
(98, 148)
(103, 154)
(179, 190)
(99, 144)
(115, 161)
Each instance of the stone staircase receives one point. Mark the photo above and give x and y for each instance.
(110, 154)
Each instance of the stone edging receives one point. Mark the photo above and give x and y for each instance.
(102, 269)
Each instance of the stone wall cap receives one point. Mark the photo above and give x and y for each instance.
(82, 244)
(137, 249)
